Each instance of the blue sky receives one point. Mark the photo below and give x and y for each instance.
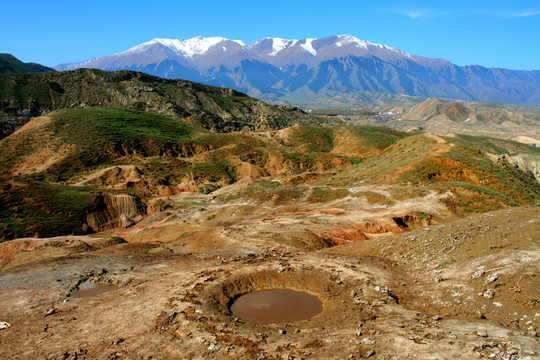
(492, 33)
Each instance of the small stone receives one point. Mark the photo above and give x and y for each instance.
(358, 332)
(482, 333)
(436, 317)
(368, 341)
(4, 325)
(282, 332)
(49, 312)
(491, 278)
(118, 341)
(489, 293)
(480, 315)
(478, 274)
(370, 353)
(439, 279)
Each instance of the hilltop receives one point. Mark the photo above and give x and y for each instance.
(9, 64)
(209, 107)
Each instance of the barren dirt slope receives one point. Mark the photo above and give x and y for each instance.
(467, 289)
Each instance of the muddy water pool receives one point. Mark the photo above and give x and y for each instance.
(276, 306)
(88, 288)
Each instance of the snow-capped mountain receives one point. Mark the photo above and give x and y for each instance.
(272, 67)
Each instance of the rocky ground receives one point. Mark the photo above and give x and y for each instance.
(402, 288)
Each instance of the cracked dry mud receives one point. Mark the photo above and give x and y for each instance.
(466, 289)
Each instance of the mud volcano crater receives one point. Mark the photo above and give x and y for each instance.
(276, 306)
(267, 297)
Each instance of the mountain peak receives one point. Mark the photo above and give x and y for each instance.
(274, 67)
(191, 47)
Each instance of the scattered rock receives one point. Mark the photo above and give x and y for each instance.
(482, 333)
(368, 341)
(370, 353)
(49, 312)
(491, 278)
(118, 341)
(4, 325)
(489, 293)
(478, 274)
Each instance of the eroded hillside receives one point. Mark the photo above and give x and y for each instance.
(213, 108)
(417, 245)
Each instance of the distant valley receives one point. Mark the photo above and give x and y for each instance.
(444, 118)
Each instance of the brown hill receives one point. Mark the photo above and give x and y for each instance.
(436, 109)
(213, 108)
(72, 156)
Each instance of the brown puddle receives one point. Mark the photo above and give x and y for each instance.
(87, 289)
(276, 306)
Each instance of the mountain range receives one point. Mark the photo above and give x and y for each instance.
(279, 69)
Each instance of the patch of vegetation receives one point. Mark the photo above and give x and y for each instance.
(271, 191)
(35, 208)
(422, 215)
(493, 146)
(379, 137)
(56, 87)
(464, 165)
(102, 135)
(316, 139)
(88, 125)
(214, 171)
(320, 194)
(444, 263)
(374, 198)
(476, 198)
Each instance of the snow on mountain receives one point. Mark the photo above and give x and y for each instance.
(344, 40)
(189, 48)
(280, 44)
(308, 46)
(275, 67)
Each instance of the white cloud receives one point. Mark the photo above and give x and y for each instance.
(422, 13)
(431, 13)
(524, 14)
